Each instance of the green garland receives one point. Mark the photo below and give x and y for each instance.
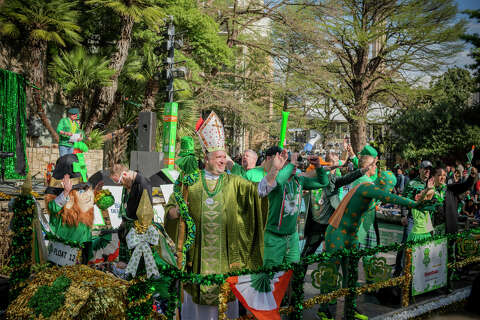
(139, 291)
(13, 114)
(52, 237)
(21, 260)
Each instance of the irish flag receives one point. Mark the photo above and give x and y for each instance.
(261, 294)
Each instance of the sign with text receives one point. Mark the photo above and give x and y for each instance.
(61, 254)
(429, 266)
(113, 211)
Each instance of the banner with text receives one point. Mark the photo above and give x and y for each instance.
(429, 266)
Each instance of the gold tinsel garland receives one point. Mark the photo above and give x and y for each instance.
(4, 196)
(140, 301)
(92, 294)
(408, 278)
(324, 298)
(464, 262)
(380, 285)
(222, 301)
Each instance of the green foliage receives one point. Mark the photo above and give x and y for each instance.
(78, 71)
(443, 125)
(51, 21)
(474, 39)
(48, 299)
(95, 140)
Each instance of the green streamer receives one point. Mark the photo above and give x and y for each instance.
(283, 131)
(12, 110)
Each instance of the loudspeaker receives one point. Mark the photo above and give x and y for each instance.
(147, 129)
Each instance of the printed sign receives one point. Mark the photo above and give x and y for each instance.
(429, 266)
(61, 254)
(113, 211)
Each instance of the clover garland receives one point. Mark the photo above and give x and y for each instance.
(21, 259)
(188, 180)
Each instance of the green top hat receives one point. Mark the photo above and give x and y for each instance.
(369, 151)
(187, 147)
(73, 111)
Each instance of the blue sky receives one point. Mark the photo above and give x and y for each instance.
(462, 58)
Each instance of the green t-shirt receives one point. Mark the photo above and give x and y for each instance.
(255, 175)
(285, 200)
(67, 125)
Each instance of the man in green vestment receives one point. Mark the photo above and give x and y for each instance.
(229, 214)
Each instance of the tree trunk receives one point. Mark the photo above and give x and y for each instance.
(151, 92)
(104, 98)
(358, 133)
(36, 69)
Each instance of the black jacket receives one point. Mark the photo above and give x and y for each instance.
(450, 205)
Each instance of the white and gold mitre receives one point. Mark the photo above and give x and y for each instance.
(211, 134)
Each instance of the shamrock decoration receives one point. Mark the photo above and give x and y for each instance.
(48, 299)
(377, 269)
(326, 278)
(426, 257)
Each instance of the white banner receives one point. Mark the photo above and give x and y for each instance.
(429, 266)
(61, 254)
(113, 211)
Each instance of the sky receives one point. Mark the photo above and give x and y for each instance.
(462, 58)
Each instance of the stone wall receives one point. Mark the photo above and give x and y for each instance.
(38, 159)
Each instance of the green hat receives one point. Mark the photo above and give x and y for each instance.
(73, 111)
(369, 151)
(186, 146)
(187, 162)
(104, 199)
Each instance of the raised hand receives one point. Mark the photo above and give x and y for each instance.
(67, 184)
(279, 160)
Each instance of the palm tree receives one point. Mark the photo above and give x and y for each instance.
(39, 22)
(130, 11)
(78, 73)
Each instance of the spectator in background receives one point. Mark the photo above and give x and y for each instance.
(459, 166)
(456, 177)
(400, 186)
(69, 132)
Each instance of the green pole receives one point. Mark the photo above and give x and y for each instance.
(283, 131)
(170, 117)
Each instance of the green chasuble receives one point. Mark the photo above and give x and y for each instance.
(229, 230)
(77, 234)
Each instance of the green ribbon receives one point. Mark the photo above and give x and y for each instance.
(80, 166)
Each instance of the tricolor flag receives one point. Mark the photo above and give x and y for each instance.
(470, 154)
(261, 294)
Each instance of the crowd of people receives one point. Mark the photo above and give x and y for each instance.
(246, 214)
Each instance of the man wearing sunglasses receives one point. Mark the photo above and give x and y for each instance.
(134, 183)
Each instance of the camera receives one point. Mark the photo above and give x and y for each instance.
(302, 161)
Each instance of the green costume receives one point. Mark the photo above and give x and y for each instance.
(256, 174)
(349, 213)
(368, 217)
(284, 205)
(230, 217)
(77, 234)
(67, 125)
